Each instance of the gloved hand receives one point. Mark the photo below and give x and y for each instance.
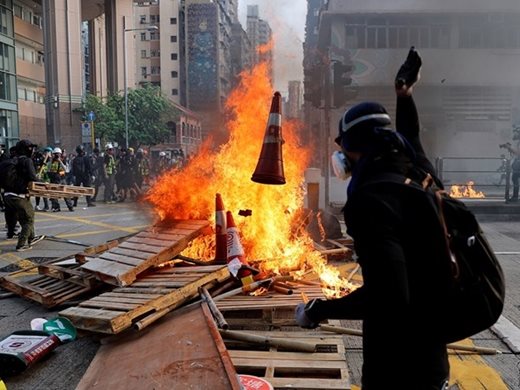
(301, 317)
(408, 73)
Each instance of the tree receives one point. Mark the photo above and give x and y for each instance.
(148, 112)
(147, 108)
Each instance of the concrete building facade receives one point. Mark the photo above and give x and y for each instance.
(294, 99)
(260, 35)
(469, 90)
(9, 129)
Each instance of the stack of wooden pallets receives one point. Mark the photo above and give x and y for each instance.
(56, 281)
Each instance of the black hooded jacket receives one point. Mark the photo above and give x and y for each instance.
(400, 247)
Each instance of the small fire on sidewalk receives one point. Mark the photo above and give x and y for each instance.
(271, 235)
(466, 191)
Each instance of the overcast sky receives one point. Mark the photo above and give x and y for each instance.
(287, 20)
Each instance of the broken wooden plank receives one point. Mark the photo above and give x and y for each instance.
(157, 251)
(184, 352)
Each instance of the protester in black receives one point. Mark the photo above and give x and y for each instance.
(17, 196)
(399, 242)
(96, 162)
(82, 172)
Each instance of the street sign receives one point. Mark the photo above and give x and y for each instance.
(85, 132)
(91, 116)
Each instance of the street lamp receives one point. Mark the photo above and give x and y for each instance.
(125, 30)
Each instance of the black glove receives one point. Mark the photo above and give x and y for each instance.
(408, 73)
(301, 315)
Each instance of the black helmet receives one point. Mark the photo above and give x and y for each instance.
(80, 149)
(24, 147)
(357, 123)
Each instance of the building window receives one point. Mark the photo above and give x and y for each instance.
(143, 71)
(154, 36)
(143, 53)
(142, 19)
(175, 74)
(174, 56)
(175, 92)
(17, 11)
(173, 20)
(143, 36)
(155, 53)
(173, 38)
(6, 21)
(154, 19)
(156, 70)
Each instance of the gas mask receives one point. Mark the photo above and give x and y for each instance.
(340, 165)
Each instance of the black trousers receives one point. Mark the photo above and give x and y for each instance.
(83, 180)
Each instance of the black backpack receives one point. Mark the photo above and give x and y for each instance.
(9, 175)
(476, 296)
(474, 300)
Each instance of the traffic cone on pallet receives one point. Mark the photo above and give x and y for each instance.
(220, 231)
(236, 258)
(269, 169)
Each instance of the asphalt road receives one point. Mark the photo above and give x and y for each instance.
(63, 369)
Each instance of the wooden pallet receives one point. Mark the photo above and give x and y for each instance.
(50, 190)
(121, 265)
(59, 280)
(265, 310)
(324, 369)
(168, 287)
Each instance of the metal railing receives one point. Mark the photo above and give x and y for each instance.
(490, 175)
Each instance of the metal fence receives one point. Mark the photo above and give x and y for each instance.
(490, 175)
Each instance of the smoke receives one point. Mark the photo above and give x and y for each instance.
(287, 21)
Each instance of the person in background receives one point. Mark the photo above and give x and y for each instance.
(398, 240)
(57, 172)
(41, 166)
(82, 172)
(515, 170)
(163, 164)
(109, 173)
(3, 157)
(96, 162)
(143, 169)
(17, 197)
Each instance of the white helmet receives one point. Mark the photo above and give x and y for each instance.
(162, 154)
(109, 146)
(56, 151)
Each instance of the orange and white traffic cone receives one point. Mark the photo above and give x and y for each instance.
(235, 253)
(269, 169)
(220, 231)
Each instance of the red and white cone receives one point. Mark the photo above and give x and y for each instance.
(220, 231)
(235, 253)
(269, 169)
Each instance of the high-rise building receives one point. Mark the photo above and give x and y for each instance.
(241, 52)
(28, 34)
(294, 99)
(260, 34)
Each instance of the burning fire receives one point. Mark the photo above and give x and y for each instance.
(269, 237)
(466, 191)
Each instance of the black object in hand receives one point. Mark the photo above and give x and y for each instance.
(408, 73)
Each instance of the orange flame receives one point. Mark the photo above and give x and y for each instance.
(466, 191)
(268, 236)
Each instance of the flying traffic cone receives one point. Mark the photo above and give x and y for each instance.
(235, 253)
(220, 231)
(269, 169)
